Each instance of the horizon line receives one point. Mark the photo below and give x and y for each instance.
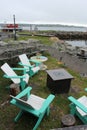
(47, 23)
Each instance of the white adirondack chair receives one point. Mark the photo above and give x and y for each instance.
(31, 69)
(10, 73)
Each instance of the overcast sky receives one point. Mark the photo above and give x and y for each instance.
(44, 11)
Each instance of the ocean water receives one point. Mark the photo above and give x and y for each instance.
(55, 28)
(79, 43)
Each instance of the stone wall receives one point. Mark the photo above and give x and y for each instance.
(9, 51)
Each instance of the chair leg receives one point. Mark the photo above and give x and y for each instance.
(22, 85)
(48, 111)
(38, 121)
(41, 117)
(18, 115)
(31, 73)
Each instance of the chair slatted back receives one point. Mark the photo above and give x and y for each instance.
(24, 60)
(9, 72)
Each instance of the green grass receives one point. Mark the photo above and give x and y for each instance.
(59, 107)
(45, 40)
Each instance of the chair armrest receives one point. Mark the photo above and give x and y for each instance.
(19, 68)
(78, 104)
(6, 76)
(24, 65)
(30, 67)
(35, 61)
(47, 102)
(23, 93)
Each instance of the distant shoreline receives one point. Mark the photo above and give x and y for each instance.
(47, 24)
(55, 27)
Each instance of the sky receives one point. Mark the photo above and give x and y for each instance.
(72, 12)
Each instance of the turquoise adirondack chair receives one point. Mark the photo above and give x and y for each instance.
(30, 69)
(78, 107)
(10, 73)
(34, 105)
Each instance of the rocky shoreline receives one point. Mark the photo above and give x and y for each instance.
(71, 61)
(68, 55)
(71, 35)
(63, 35)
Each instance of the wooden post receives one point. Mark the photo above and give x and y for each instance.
(14, 89)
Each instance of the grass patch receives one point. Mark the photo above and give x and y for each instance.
(43, 40)
(59, 107)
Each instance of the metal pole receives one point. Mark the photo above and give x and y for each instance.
(14, 28)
